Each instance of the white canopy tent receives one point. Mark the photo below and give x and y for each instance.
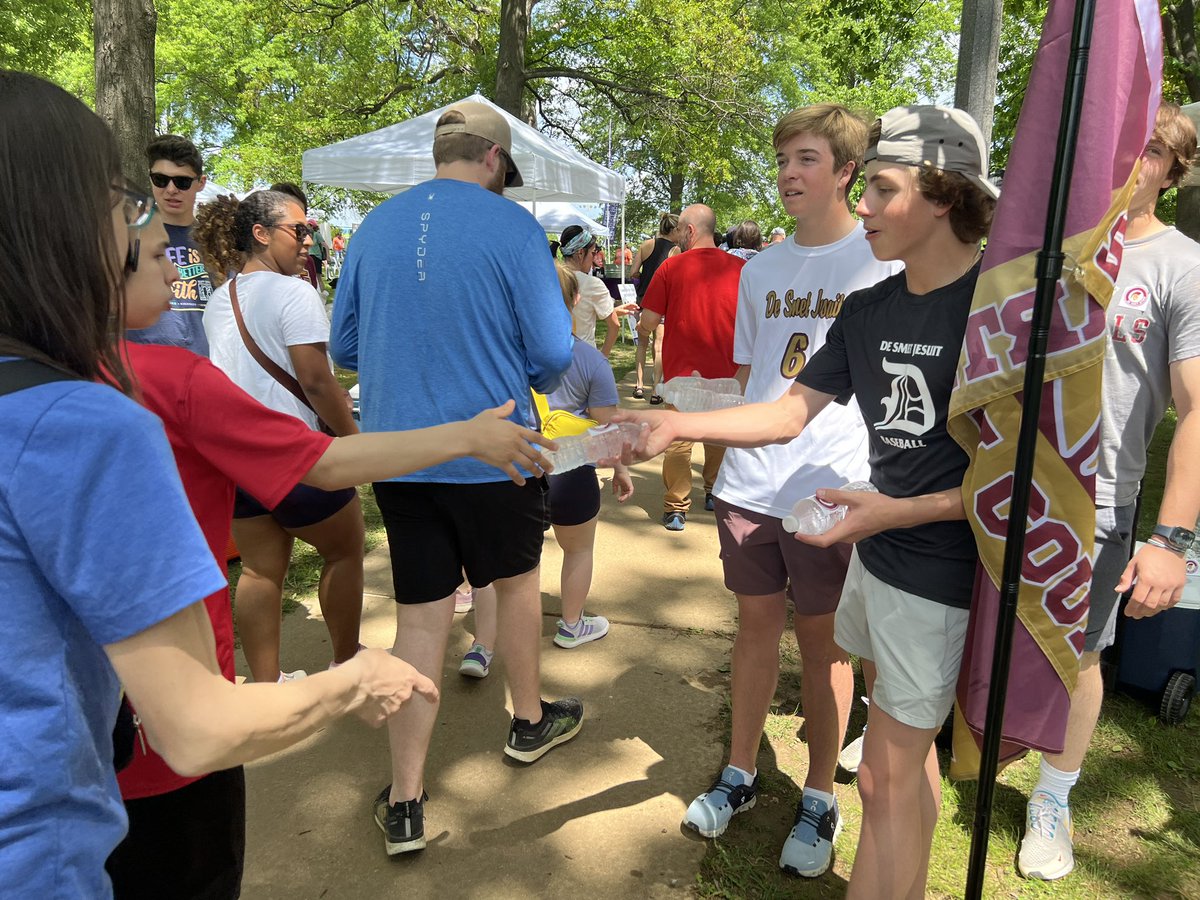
(556, 216)
(399, 156)
(212, 190)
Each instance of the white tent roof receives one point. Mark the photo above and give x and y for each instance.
(399, 156)
(212, 190)
(555, 216)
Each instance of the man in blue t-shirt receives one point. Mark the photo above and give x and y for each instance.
(449, 304)
(176, 177)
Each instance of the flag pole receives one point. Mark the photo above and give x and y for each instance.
(1049, 270)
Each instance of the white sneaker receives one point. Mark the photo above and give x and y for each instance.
(464, 601)
(587, 629)
(1046, 849)
(285, 677)
(851, 756)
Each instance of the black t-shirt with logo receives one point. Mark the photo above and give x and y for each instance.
(897, 353)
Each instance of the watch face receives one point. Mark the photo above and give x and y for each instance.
(1181, 538)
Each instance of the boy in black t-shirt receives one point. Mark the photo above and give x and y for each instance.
(895, 347)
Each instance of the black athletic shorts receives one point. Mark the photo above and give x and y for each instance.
(189, 843)
(574, 496)
(303, 506)
(435, 531)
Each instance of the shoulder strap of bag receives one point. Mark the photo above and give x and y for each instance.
(284, 378)
(19, 374)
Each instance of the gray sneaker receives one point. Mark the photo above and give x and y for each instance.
(808, 850)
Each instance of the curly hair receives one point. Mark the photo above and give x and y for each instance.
(971, 210)
(224, 229)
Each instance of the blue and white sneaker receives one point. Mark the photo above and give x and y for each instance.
(710, 813)
(476, 662)
(588, 628)
(808, 850)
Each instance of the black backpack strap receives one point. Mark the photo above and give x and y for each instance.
(19, 374)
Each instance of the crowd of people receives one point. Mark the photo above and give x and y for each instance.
(168, 371)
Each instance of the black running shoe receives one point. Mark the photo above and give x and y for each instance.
(561, 721)
(402, 824)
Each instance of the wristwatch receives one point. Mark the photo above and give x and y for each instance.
(1175, 538)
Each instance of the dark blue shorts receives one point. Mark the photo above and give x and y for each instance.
(574, 496)
(303, 506)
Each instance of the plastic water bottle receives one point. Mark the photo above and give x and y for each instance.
(815, 516)
(691, 393)
(605, 442)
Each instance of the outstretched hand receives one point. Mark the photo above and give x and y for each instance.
(1157, 577)
(867, 513)
(495, 440)
(385, 683)
(658, 432)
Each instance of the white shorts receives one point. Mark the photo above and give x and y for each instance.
(916, 645)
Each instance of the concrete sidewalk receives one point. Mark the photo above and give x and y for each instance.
(599, 817)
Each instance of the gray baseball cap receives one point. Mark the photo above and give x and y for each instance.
(939, 137)
(483, 121)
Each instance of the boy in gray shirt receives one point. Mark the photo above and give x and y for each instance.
(1153, 356)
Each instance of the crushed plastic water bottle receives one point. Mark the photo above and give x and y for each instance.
(595, 444)
(691, 393)
(815, 516)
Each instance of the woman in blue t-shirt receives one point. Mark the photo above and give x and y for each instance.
(101, 559)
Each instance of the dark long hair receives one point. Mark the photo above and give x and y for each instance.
(62, 294)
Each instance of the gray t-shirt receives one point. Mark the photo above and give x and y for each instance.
(1153, 321)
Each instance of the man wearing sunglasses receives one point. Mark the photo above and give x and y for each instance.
(176, 177)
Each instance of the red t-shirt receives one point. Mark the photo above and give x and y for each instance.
(696, 294)
(221, 437)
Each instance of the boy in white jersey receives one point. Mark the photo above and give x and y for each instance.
(1153, 356)
(787, 298)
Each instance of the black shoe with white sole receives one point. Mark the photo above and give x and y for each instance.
(561, 721)
(403, 824)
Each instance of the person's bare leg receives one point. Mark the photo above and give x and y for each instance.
(422, 630)
(577, 543)
(931, 805)
(266, 551)
(892, 849)
(339, 541)
(658, 345)
(827, 690)
(518, 642)
(1086, 700)
(640, 358)
(485, 617)
(761, 620)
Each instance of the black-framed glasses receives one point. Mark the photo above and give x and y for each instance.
(299, 229)
(138, 208)
(182, 182)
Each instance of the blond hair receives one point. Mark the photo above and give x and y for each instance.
(845, 132)
(569, 287)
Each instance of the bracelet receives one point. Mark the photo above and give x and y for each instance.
(1164, 545)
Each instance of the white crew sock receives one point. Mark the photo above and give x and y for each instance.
(1056, 782)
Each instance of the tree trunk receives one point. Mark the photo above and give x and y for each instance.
(978, 57)
(510, 64)
(124, 35)
(1187, 211)
(1179, 36)
(675, 188)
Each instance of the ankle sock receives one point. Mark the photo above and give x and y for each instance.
(747, 777)
(1056, 782)
(825, 798)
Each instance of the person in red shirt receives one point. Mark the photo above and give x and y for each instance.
(699, 288)
(186, 835)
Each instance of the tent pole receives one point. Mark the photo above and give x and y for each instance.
(621, 249)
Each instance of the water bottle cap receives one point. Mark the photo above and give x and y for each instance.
(791, 524)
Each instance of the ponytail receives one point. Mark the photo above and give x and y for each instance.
(224, 229)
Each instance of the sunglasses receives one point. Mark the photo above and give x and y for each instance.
(138, 208)
(182, 182)
(299, 229)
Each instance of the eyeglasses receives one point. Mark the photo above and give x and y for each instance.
(299, 229)
(138, 208)
(182, 182)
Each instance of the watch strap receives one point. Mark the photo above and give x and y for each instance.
(1171, 537)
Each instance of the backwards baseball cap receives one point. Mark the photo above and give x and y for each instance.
(937, 137)
(482, 121)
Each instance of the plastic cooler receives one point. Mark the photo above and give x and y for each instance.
(1160, 656)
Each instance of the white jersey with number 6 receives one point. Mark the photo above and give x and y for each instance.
(788, 296)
